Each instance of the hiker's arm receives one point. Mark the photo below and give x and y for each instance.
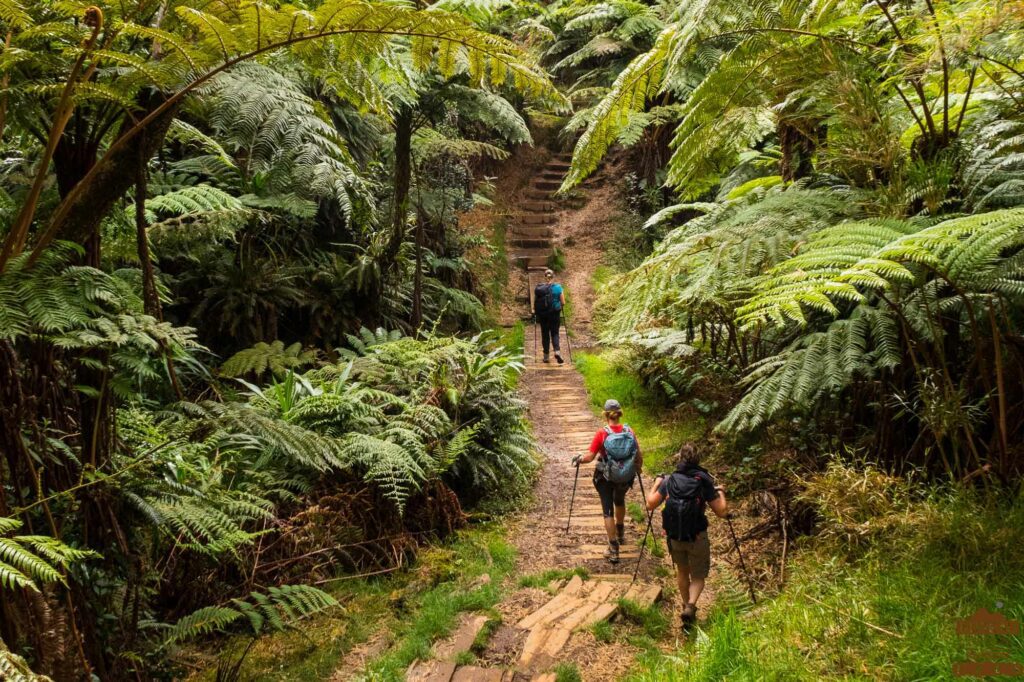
(655, 498)
(589, 457)
(719, 505)
(561, 298)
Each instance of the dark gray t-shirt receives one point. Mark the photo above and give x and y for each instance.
(707, 488)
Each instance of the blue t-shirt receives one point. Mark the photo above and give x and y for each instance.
(556, 293)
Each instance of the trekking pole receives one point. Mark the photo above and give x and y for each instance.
(568, 343)
(572, 499)
(643, 543)
(535, 339)
(743, 565)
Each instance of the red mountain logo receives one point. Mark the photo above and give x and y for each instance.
(985, 622)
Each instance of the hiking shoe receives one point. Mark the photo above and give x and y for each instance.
(545, 359)
(558, 358)
(620, 529)
(689, 615)
(613, 553)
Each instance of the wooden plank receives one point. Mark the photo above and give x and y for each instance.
(472, 673)
(568, 606)
(534, 643)
(602, 612)
(546, 677)
(430, 671)
(601, 592)
(556, 640)
(530, 620)
(462, 640)
(574, 586)
(643, 594)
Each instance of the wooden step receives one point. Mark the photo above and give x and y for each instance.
(536, 195)
(546, 185)
(534, 232)
(542, 218)
(541, 205)
(532, 257)
(531, 242)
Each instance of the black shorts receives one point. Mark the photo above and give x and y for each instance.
(612, 494)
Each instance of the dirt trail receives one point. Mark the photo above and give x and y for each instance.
(541, 627)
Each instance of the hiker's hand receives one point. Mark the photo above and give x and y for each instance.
(576, 461)
(719, 488)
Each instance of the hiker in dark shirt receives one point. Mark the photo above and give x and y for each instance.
(687, 491)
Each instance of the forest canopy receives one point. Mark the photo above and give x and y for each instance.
(245, 340)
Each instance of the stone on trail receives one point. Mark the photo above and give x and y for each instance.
(430, 671)
(472, 673)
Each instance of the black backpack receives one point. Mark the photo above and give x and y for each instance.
(683, 515)
(543, 299)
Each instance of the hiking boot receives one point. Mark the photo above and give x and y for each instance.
(689, 615)
(620, 529)
(613, 552)
(545, 358)
(558, 358)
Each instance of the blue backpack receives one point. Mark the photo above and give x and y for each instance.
(620, 451)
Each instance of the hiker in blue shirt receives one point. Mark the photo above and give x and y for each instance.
(548, 301)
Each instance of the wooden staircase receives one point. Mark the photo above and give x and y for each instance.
(532, 238)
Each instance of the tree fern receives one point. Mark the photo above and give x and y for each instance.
(276, 609)
(26, 560)
(263, 357)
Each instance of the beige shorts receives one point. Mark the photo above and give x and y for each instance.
(694, 555)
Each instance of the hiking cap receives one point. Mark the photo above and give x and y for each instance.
(549, 273)
(611, 405)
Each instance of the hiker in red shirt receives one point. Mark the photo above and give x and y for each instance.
(619, 462)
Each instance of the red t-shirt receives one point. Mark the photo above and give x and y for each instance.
(597, 445)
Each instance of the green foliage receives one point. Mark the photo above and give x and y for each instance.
(276, 609)
(26, 560)
(660, 431)
(911, 565)
(13, 667)
(567, 672)
(263, 357)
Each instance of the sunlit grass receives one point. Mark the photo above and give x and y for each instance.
(412, 609)
(884, 612)
(659, 430)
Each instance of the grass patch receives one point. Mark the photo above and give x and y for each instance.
(498, 268)
(567, 672)
(416, 615)
(542, 579)
(514, 338)
(637, 513)
(660, 431)
(432, 613)
(603, 631)
(556, 261)
(650, 618)
(601, 276)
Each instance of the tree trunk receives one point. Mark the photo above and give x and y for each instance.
(416, 319)
(403, 180)
(113, 178)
